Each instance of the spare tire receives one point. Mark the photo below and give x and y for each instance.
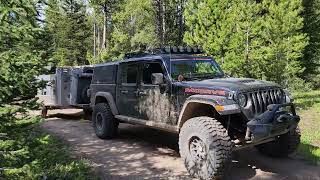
(85, 99)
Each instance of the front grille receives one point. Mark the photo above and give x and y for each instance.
(259, 100)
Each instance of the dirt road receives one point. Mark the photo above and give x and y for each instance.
(142, 153)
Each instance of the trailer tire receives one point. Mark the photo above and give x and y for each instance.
(44, 112)
(283, 146)
(104, 123)
(205, 147)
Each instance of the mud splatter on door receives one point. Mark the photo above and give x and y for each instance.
(157, 106)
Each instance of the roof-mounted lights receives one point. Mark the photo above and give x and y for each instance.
(189, 50)
(174, 49)
(181, 50)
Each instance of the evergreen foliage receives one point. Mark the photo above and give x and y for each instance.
(259, 39)
(134, 27)
(311, 58)
(20, 52)
(67, 25)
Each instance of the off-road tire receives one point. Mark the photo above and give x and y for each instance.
(104, 123)
(283, 146)
(217, 146)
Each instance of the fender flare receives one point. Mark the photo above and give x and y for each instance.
(230, 106)
(109, 98)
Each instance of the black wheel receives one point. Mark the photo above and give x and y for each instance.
(205, 147)
(283, 146)
(44, 111)
(104, 123)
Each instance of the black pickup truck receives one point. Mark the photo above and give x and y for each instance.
(180, 91)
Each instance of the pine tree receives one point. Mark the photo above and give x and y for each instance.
(174, 25)
(133, 28)
(260, 39)
(66, 22)
(311, 58)
(284, 41)
(20, 59)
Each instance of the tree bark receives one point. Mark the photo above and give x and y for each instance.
(104, 37)
(158, 5)
(94, 39)
(180, 21)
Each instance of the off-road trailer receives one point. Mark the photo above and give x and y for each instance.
(67, 88)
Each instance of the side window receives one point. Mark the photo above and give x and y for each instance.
(130, 73)
(148, 69)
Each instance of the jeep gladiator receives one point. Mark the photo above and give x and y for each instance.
(177, 90)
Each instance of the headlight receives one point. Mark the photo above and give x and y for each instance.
(242, 100)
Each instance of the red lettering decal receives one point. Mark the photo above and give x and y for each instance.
(204, 91)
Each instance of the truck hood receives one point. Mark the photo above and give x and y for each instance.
(231, 84)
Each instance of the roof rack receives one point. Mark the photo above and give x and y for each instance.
(135, 54)
(166, 50)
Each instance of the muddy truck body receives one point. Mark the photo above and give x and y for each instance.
(188, 94)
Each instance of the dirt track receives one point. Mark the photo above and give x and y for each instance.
(142, 153)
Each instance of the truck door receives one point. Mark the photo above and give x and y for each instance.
(154, 99)
(127, 99)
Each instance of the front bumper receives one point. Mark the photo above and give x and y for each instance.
(277, 120)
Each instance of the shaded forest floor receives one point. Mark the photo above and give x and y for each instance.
(28, 152)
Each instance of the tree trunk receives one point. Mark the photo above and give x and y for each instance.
(158, 5)
(94, 39)
(104, 37)
(98, 40)
(180, 21)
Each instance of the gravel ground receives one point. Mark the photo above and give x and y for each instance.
(143, 153)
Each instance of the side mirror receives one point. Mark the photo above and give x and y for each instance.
(157, 78)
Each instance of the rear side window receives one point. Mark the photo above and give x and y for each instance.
(104, 74)
(130, 73)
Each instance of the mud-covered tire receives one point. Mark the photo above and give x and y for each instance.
(104, 123)
(216, 143)
(283, 146)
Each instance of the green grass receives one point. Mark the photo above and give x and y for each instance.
(308, 105)
(27, 152)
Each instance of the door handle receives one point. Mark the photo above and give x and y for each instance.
(124, 91)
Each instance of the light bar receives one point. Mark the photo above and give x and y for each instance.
(182, 50)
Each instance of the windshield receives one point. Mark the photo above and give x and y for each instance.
(194, 68)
